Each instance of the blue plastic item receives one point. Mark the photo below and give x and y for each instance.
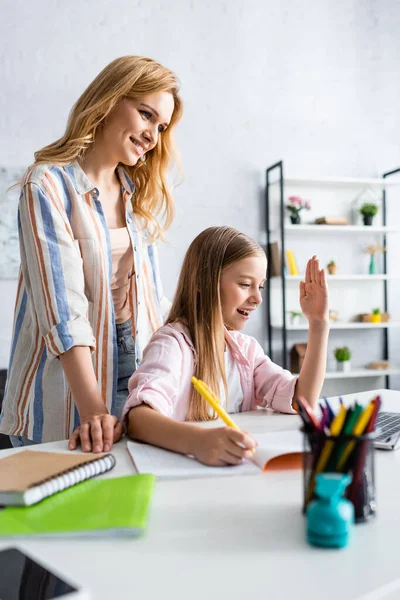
(330, 517)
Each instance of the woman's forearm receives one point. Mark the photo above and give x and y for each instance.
(78, 369)
(148, 425)
(312, 374)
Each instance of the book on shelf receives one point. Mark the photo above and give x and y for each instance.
(291, 263)
(29, 476)
(99, 507)
(331, 221)
(275, 260)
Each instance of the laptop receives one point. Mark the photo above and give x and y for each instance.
(388, 427)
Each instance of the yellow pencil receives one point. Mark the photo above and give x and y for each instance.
(207, 394)
(358, 430)
(335, 429)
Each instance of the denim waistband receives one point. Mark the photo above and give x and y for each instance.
(124, 328)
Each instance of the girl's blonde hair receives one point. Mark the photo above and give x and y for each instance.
(126, 77)
(197, 304)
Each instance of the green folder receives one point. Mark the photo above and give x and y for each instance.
(114, 506)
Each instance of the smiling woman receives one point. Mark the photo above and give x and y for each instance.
(91, 208)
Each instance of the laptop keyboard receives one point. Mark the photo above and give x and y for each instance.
(388, 423)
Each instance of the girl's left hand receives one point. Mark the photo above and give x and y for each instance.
(314, 293)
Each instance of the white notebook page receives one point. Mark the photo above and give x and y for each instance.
(167, 465)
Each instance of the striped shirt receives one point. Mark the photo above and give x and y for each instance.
(64, 298)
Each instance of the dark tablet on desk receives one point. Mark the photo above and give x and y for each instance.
(22, 578)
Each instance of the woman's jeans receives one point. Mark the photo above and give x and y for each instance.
(126, 366)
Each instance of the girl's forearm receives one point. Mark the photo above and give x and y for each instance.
(148, 425)
(79, 371)
(312, 374)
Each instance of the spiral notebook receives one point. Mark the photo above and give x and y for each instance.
(29, 476)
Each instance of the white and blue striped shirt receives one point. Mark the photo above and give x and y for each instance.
(64, 298)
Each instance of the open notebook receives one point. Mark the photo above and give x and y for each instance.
(276, 451)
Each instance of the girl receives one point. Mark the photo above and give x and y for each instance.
(89, 294)
(220, 285)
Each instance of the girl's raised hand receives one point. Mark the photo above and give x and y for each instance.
(314, 293)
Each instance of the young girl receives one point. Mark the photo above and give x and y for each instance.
(220, 285)
(89, 295)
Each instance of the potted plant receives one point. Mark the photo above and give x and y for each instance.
(295, 206)
(376, 316)
(331, 266)
(368, 211)
(343, 356)
(295, 317)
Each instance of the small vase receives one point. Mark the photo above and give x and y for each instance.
(295, 219)
(343, 366)
(367, 219)
(372, 265)
(295, 321)
(331, 270)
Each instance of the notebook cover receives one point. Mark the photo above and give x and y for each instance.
(95, 507)
(25, 469)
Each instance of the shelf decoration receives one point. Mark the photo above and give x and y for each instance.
(332, 268)
(295, 317)
(291, 263)
(297, 355)
(331, 221)
(367, 317)
(379, 365)
(372, 250)
(343, 356)
(295, 205)
(333, 316)
(376, 315)
(365, 206)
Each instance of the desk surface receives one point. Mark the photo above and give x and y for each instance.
(237, 537)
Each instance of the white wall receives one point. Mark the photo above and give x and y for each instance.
(314, 83)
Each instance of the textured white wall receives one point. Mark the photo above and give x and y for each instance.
(314, 83)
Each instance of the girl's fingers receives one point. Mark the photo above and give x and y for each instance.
(240, 438)
(308, 272)
(315, 269)
(302, 289)
(322, 278)
(231, 459)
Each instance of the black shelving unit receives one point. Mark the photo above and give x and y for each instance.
(275, 176)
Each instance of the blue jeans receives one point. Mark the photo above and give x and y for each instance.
(126, 366)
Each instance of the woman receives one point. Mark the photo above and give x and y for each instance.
(89, 294)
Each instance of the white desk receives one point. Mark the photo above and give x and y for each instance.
(237, 538)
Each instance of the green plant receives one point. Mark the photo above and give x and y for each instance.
(369, 209)
(376, 311)
(294, 313)
(342, 354)
(331, 263)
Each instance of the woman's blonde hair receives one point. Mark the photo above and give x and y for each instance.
(197, 304)
(126, 77)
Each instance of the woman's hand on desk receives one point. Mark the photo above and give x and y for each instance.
(221, 446)
(96, 433)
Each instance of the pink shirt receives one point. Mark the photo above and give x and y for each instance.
(163, 380)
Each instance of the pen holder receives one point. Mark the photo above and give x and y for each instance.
(353, 455)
